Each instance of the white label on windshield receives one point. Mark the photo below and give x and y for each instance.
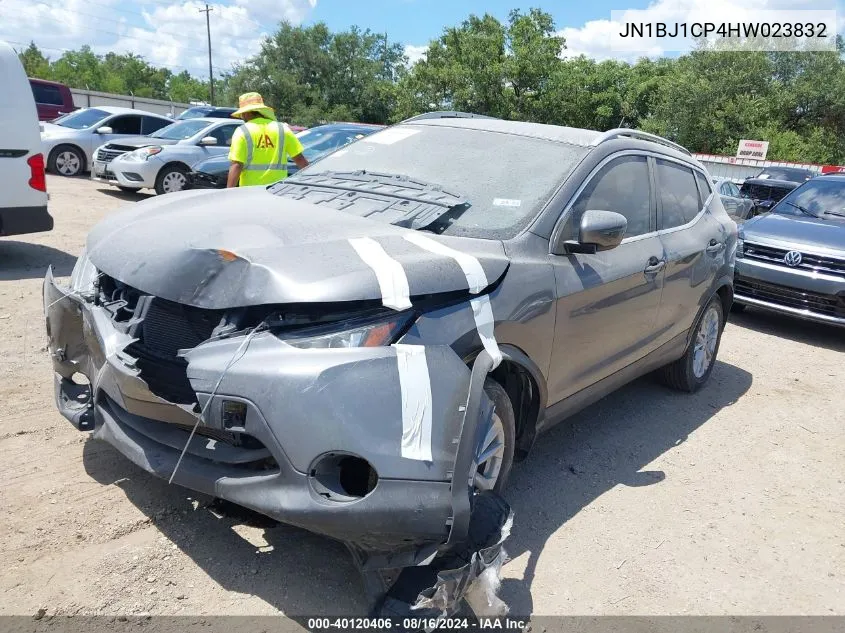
(390, 136)
(506, 202)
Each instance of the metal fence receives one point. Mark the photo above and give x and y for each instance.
(738, 169)
(89, 98)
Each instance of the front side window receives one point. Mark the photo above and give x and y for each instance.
(224, 134)
(621, 186)
(129, 124)
(678, 194)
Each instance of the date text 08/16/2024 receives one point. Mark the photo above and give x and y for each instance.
(414, 624)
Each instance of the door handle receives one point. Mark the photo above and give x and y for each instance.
(714, 247)
(654, 266)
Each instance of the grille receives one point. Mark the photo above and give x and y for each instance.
(829, 305)
(764, 192)
(105, 155)
(814, 263)
(168, 327)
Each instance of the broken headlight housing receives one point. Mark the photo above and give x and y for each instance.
(140, 155)
(84, 274)
(352, 333)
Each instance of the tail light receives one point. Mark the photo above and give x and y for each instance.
(37, 179)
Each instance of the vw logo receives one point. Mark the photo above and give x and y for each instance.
(792, 259)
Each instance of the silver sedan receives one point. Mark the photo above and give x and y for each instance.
(162, 161)
(69, 141)
(738, 208)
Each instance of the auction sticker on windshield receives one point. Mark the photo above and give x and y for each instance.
(506, 202)
(390, 136)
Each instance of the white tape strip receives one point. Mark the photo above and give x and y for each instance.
(482, 312)
(476, 277)
(390, 274)
(416, 401)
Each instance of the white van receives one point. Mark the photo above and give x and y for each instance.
(23, 187)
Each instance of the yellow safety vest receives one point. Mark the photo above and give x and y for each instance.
(266, 159)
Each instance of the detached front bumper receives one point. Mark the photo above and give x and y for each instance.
(295, 409)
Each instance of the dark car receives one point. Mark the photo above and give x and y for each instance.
(772, 184)
(792, 260)
(362, 349)
(206, 112)
(316, 143)
(52, 99)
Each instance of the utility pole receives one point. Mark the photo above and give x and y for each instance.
(207, 12)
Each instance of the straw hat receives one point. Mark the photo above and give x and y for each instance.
(252, 102)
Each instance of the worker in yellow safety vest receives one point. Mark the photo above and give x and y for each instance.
(262, 146)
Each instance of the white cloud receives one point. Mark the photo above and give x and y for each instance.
(415, 53)
(600, 39)
(171, 35)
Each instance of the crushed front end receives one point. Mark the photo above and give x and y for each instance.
(264, 413)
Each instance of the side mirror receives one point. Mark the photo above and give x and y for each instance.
(599, 231)
(105, 130)
(208, 140)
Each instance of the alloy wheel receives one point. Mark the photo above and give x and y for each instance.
(706, 339)
(68, 163)
(489, 455)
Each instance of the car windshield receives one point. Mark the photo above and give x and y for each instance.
(318, 142)
(180, 130)
(506, 178)
(818, 198)
(82, 119)
(786, 173)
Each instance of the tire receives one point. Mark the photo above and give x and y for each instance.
(503, 412)
(129, 189)
(685, 374)
(168, 179)
(736, 308)
(66, 160)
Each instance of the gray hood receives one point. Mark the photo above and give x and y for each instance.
(797, 230)
(134, 142)
(274, 251)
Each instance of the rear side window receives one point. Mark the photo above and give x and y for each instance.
(47, 95)
(678, 194)
(130, 124)
(703, 188)
(621, 186)
(151, 124)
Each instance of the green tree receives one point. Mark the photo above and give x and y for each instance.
(34, 62)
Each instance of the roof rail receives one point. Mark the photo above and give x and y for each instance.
(643, 136)
(447, 114)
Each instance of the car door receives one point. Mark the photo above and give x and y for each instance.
(694, 243)
(730, 202)
(607, 302)
(223, 134)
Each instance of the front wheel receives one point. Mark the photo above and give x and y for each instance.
(691, 371)
(170, 179)
(495, 445)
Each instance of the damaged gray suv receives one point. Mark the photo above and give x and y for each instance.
(358, 350)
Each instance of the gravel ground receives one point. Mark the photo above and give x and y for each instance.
(650, 502)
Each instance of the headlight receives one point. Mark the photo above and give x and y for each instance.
(740, 247)
(140, 155)
(350, 334)
(84, 275)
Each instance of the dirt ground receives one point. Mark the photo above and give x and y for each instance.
(729, 501)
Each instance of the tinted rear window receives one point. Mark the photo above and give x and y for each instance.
(47, 95)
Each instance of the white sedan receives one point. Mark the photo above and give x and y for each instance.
(69, 141)
(162, 160)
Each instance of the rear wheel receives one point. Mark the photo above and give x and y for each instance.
(66, 160)
(495, 445)
(170, 179)
(691, 371)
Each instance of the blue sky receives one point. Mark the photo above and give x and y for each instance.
(171, 33)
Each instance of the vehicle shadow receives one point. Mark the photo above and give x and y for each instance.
(24, 260)
(601, 447)
(792, 328)
(299, 573)
(604, 445)
(129, 196)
